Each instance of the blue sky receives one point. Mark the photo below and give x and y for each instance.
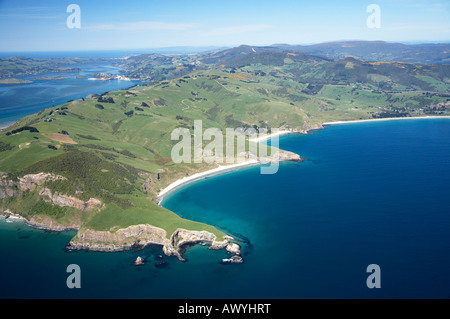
(29, 25)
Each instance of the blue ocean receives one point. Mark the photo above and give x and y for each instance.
(19, 100)
(368, 193)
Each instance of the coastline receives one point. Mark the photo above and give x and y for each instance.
(5, 125)
(216, 171)
(266, 137)
(189, 179)
(11, 217)
(224, 169)
(389, 119)
(202, 175)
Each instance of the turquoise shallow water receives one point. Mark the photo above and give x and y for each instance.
(370, 193)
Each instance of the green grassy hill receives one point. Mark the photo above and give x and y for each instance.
(117, 148)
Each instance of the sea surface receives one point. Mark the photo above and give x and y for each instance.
(369, 193)
(19, 100)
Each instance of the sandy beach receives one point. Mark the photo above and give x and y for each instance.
(388, 119)
(219, 170)
(227, 168)
(199, 176)
(6, 125)
(265, 137)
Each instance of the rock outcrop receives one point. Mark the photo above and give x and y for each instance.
(122, 239)
(182, 237)
(233, 248)
(233, 259)
(47, 223)
(278, 156)
(71, 201)
(7, 192)
(35, 183)
(139, 261)
(31, 181)
(41, 222)
(282, 155)
(143, 235)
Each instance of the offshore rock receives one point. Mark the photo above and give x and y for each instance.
(141, 236)
(139, 261)
(234, 259)
(233, 248)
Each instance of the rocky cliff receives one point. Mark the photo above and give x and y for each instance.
(107, 241)
(71, 201)
(278, 156)
(35, 183)
(31, 181)
(143, 235)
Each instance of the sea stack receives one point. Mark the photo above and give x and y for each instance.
(139, 261)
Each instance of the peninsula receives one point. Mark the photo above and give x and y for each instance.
(103, 164)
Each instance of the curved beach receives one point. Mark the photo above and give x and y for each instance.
(219, 170)
(227, 168)
(388, 119)
(202, 175)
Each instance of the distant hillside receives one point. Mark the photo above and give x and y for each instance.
(15, 66)
(246, 55)
(235, 53)
(99, 163)
(377, 51)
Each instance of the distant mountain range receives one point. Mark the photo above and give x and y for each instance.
(361, 50)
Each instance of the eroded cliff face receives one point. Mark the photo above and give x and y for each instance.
(277, 157)
(122, 239)
(31, 181)
(35, 182)
(107, 241)
(28, 182)
(143, 235)
(71, 201)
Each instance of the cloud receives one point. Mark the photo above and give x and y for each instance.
(29, 16)
(142, 26)
(232, 30)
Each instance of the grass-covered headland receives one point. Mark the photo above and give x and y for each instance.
(109, 157)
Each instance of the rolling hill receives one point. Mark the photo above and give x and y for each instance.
(98, 164)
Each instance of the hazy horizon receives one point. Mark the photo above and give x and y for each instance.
(113, 25)
(199, 49)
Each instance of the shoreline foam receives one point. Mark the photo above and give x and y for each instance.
(215, 171)
(5, 125)
(388, 119)
(266, 137)
(202, 175)
(223, 169)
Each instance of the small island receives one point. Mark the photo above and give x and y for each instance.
(14, 81)
(46, 78)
